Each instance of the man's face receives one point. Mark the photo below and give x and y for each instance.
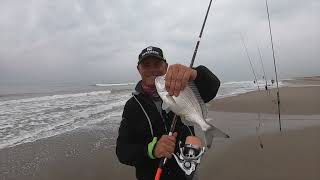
(150, 68)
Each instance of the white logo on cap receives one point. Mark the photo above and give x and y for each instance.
(149, 48)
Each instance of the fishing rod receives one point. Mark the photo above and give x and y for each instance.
(264, 72)
(200, 35)
(252, 69)
(258, 129)
(164, 160)
(275, 66)
(255, 79)
(174, 121)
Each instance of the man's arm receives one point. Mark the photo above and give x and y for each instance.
(207, 83)
(127, 150)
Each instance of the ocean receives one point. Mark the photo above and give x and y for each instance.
(29, 113)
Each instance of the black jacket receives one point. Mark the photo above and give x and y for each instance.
(135, 134)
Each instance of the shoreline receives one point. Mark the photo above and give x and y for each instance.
(293, 100)
(290, 155)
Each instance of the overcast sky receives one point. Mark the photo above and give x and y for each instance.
(99, 41)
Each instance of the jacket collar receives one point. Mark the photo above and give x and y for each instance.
(138, 89)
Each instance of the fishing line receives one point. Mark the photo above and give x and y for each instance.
(266, 86)
(264, 72)
(258, 128)
(250, 62)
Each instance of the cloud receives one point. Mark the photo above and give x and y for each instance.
(86, 41)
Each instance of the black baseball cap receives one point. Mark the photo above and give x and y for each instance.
(151, 52)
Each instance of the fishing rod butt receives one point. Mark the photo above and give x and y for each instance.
(280, 128)
(158, 174)
(261, 146)
(279, 114)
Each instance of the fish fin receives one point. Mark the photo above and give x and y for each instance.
(196, 92)
(165, 106)
(170, 98)
(213, 132)
(166, 102)
(185, 121)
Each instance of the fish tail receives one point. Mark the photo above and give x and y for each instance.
(212, 132)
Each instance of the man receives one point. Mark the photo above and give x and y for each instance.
(143, 138)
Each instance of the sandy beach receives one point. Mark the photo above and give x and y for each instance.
(289, 155)
(292, 155)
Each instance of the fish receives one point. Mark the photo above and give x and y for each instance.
(190, 107)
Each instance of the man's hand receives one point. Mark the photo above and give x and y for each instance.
(177, 78)
(165, 146)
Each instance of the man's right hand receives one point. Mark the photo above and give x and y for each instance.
(165, 146)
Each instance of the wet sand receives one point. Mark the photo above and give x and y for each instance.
(80, 155)
(291, 154)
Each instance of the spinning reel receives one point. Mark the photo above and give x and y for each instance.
(190, 155)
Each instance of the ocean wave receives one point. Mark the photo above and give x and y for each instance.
(114, 84)
(229, 89)
(245, 83)
(30, 119)
(27, 125)
(55, 97)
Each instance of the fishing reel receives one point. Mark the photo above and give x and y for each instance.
(190, 155)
